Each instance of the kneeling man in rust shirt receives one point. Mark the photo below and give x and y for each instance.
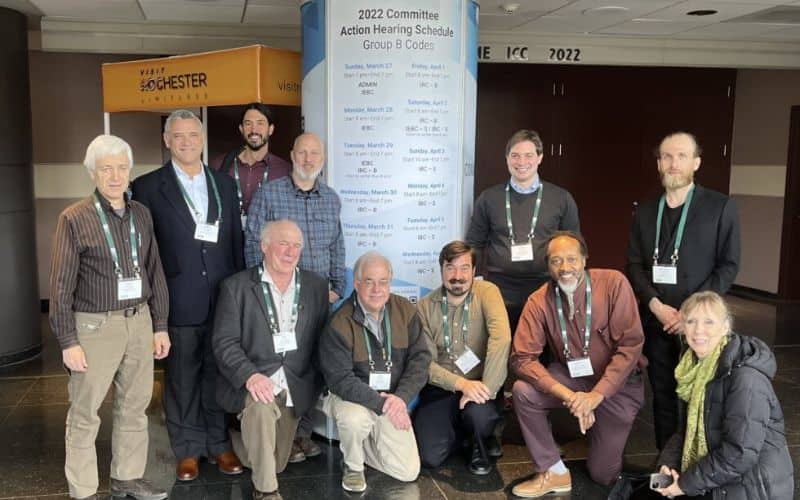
(590, 320)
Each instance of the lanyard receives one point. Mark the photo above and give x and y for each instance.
(272, 310)
(563, 322)
(216, 195)
(239, 184)
(464, 323)
(110, 240)
(681, 226)
(387, 341)
(535, 212)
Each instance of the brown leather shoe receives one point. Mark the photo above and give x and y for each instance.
(187, 469)
(228, 463)
(543, 483)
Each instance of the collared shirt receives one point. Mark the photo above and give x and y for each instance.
(82, 272)
(488, 336)
(615, 339)
(283, 301)
(197, 190)
(374, 325)
(316, 212)
(251, 176)
(521, 190)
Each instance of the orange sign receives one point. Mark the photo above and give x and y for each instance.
(219, 78)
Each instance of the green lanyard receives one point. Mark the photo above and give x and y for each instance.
(681, 226)
(239, 184)
(216, 195)
(387, 342)
(563, 322)
(464, 323)
(110, 240)
(272, 310)
(535, 212)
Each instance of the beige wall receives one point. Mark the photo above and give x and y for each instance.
(67, 113)
(758, 168)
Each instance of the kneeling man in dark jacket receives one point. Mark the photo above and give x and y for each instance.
(266, 326)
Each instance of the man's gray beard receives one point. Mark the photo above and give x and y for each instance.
(569, 291)
(302, 175)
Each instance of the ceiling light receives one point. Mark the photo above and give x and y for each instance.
(605, 10)
(509, 8)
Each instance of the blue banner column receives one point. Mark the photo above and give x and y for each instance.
(20, 314)
(390, 86)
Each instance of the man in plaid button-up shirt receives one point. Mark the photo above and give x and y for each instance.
(315, 207)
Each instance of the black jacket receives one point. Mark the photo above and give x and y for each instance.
(193, 268)
(709, 254)
(747, 454)
(243, 345)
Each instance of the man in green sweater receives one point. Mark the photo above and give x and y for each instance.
(467, 330)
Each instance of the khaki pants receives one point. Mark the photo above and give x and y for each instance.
(118, 350)
(365, 437)
(266, 439)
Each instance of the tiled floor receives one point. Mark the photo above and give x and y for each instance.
(33, 405)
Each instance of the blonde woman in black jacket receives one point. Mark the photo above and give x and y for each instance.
(732, 442)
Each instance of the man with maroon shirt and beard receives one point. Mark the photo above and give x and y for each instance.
(252, 164)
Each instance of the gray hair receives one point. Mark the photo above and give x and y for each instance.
(105, 145)
(273, 224)
(309, 134)
(368, 258)
(180, 114)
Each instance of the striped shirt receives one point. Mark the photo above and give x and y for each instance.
(82, 277)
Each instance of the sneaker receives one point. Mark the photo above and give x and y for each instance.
(140, 489)
(260, 495)
(353, 480)
(309, 447)
(543, 483)
(296, 455)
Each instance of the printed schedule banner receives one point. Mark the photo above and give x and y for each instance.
(391, 86)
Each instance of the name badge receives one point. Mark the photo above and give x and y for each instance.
(244, 221)
(467, 361)
(380, 381)
(129, 288)
(284, 342)
(206, 232)
(581, 367)
(521, 252)
(665, 274)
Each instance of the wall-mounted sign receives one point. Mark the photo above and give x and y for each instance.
(525, 53)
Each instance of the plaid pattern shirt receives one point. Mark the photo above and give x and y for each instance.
(317, 214)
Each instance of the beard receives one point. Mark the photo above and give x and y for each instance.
(299, 172)
(568, 288)
(676, 181)
(458, 288)
(254, 142)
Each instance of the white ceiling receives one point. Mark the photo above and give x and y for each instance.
(631, 18)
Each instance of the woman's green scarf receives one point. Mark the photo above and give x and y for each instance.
(692, 375)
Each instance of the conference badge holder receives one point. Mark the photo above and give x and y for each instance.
(467, 361)
(665, 274)
(522, 252)
(580, 367)
(206, 232)
(380, 381)
(129, 288)
(284, 342)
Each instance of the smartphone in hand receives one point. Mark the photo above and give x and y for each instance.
(658, 481)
